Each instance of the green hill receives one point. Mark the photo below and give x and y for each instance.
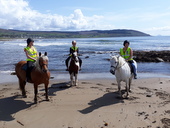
(8, 33)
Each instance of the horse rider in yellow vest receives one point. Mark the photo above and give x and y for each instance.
(32, 56)
(73, 49)
(127, 53)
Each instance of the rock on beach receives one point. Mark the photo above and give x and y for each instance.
(152, 56)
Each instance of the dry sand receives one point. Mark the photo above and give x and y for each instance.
(91, 104)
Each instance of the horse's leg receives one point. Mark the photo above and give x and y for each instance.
(130, 81)
(76, 80)
(35, 92)
(119, 88)
(127, 89)
(71, 78)
(22, 87)
(46, 91)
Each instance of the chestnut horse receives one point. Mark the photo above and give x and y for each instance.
(74, 68)
(39, 75)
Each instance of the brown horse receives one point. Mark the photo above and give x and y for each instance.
(39, 75)
(74, 68)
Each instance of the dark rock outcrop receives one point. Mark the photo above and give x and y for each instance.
(152, 56)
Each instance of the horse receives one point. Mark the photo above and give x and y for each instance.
(122, 71)
(73, 68)
(39, 75)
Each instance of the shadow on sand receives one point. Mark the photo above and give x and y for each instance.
(106, 100)
(58, 87)
(10, 105)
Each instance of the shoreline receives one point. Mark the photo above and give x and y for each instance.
(8, 78)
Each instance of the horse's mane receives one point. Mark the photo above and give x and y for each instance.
(121, 60)
(37, 65)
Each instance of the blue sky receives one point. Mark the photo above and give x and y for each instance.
(149, 16)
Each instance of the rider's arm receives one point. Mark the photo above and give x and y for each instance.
(26, 52)
(131, 54)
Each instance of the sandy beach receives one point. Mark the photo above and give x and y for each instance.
(94, 103)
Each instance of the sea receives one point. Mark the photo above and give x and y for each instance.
(94, 52)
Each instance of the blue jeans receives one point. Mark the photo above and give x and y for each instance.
(132, 64)
(134, 68)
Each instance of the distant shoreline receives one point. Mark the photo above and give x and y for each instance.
(10, 34)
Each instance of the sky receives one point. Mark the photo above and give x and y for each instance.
(148, 16)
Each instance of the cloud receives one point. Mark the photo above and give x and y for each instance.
(16, 14)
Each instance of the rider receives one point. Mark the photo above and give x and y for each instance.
(72, 50)
(127, 53)
(32, 55)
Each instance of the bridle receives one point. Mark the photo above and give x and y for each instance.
(117, 64)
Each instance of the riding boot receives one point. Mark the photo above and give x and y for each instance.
(28, 75)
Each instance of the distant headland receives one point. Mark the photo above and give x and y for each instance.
(11, 34)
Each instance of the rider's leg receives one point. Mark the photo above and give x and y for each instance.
(28, 71)
(66, 62)
(80, 61)
(134, 70)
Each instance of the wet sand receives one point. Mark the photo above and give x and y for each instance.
(94, 103)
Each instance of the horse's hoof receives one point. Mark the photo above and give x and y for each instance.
(47, 99)
(125, 96)
(35, 100)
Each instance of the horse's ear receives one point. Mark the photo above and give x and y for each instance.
(45, 53)
(39, 53)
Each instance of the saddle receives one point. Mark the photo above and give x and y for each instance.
(28, 73)
(24, 67)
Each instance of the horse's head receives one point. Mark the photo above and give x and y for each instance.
(43, 62)
(75, 56)
(114, 61)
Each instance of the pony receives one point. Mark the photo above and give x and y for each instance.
(73, 68)
(122, 70)
(39, 75)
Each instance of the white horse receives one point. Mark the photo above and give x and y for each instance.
(121, 69)
(74, 68)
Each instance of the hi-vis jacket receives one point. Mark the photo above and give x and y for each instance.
(73, 49)
(126, 54)
(32, 52)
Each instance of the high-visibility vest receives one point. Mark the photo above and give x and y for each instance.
(32, 52)
(74, 48)
(126, 54)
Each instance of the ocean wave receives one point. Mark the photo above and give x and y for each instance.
(7, 72)
(37, 44)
